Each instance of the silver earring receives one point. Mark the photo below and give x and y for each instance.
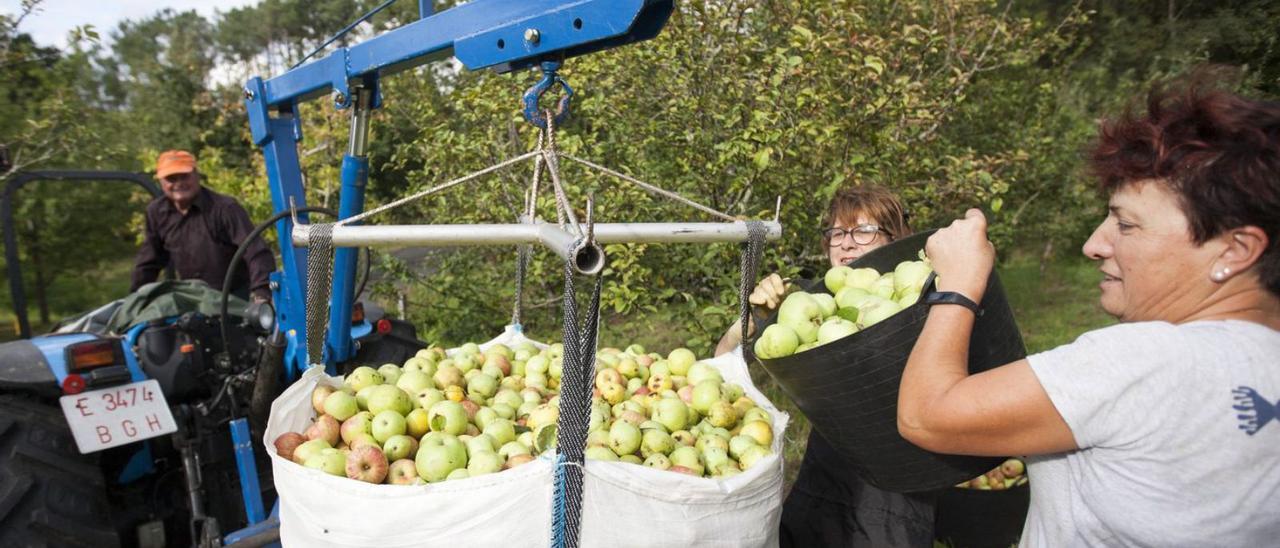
(1226, 271)
(1219, 276)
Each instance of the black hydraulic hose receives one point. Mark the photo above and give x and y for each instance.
(235, 259)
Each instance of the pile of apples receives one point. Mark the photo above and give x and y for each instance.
(859, 298)
(1009, 474)
(443, 416)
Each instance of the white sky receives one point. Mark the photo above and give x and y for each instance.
(50, 24)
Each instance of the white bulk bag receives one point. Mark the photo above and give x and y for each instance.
(623, 504)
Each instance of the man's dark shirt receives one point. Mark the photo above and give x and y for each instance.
(200, 244)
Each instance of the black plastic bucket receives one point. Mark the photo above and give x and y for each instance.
(974, 518)
(849, 388)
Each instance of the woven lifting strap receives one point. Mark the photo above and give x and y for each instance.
(575, 411)
(752, 250)
(319, 282)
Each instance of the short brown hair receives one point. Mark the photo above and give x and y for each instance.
(1218, 151)
(875, 202)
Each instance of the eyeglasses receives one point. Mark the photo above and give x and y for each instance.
(862, 234)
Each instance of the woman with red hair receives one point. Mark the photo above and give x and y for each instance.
(1161, 430)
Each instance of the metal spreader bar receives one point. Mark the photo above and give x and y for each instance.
(586, 256)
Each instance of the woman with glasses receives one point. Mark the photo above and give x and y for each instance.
(829, 505)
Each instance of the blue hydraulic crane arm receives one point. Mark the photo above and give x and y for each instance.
(503, 35)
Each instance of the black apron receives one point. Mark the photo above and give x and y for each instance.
(830, 506)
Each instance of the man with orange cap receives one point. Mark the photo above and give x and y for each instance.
(199, 230)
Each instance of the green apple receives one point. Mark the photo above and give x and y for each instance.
(658, 461)
(439, 455)
(826, 302)
(399, 447)
(363, 377)
(722, 414)
(484, 463)
(511, 449)
(414, 364)
(752, 455)
(777, 341)
(739, 444)
(459, 474)
(705, 393)
(835, 278)
(907, 298)
(862, 278)
(308, 449)
(687, 457)
(427, 397)
(802, 314)
(478, 444)
(362, 397)
(390, 373)
(883, 286)
(329, 460)
(910, 275)
(388, 397)
(702, 371)
(624, 438)
(851, 297)
(876, 310)
(680, 360)
(672, 413)
(655, 441)
(835, 328)
(387, 424)
(483, 386)
(502, 431)
(758, 430)
(414, 382)
(448, 417)
(341, 405)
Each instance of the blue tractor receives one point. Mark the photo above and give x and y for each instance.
(141, 422)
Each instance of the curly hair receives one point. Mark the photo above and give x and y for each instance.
(1217, 151)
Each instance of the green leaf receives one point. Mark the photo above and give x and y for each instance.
(803, 32)
(849, 313)
(874, 63)
(761, 157)
(996, 204)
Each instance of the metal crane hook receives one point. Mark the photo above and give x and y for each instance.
(531, 96)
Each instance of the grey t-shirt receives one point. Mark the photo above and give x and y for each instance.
(1178, 435)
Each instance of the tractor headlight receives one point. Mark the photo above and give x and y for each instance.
(261, 315)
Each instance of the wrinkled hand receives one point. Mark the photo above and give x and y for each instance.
(962, 255)
(769, 292)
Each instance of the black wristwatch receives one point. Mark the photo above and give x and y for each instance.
(951, 297)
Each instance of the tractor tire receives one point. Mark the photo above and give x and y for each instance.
(50, 494)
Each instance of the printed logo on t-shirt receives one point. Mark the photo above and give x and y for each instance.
(1256, 411)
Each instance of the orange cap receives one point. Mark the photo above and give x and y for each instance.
(174, 161)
